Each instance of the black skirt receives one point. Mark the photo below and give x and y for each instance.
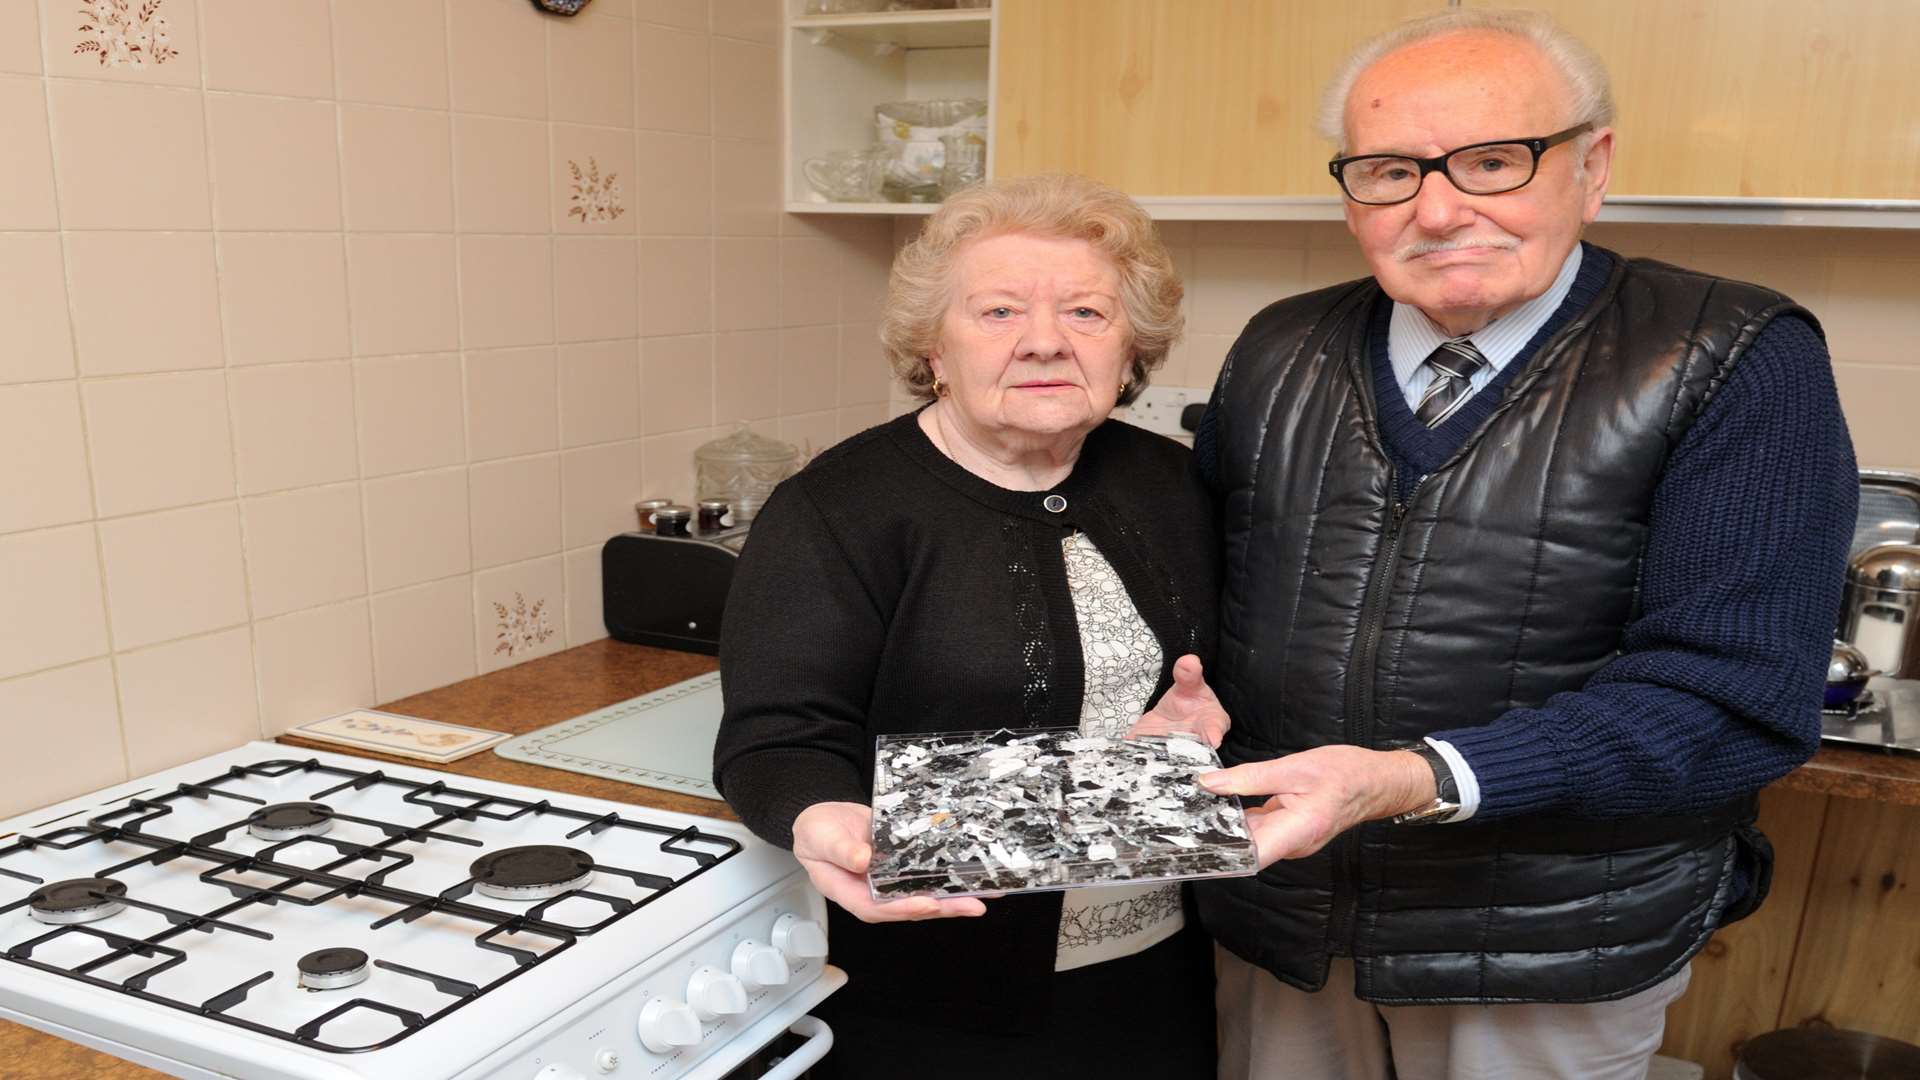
(1145, 1015)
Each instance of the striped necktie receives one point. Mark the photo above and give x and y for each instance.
(1454, 364)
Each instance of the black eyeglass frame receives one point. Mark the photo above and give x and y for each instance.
(1538, 145)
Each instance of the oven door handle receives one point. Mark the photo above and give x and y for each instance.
(819, 1040)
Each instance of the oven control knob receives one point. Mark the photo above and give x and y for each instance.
(758, 965)
(798, 938)
(714, 993)
(666, 1025)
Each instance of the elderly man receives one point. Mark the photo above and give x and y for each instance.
(1532, 559)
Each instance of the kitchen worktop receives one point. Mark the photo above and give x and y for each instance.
(579, 680)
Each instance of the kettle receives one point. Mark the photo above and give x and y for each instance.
(1881, 607)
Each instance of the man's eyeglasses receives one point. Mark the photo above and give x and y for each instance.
(1488, 168)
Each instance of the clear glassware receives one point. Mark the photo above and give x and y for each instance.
(964, 162)
(848, 175)
(742, 469)
(912, 132)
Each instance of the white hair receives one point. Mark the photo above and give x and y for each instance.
(1585, 74)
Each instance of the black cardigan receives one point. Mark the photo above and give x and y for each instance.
(884, 590)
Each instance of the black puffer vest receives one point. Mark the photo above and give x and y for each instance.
(1508, 576)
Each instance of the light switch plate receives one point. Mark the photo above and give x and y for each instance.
(1158, 409)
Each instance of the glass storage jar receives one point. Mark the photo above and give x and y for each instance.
(742, 470)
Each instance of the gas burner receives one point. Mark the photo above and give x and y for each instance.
(1863, 706)
(534, 872)
(289, 820)
(331, 969)
(79, 900)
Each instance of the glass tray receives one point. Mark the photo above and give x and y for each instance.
(973, 813)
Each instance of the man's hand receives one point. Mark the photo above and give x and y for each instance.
(1188, 706)
(831, 841)
(1320, 793)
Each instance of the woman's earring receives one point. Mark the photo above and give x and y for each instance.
(1125, 385)
(939, 388)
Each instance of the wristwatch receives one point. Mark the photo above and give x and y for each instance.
(1446, 801)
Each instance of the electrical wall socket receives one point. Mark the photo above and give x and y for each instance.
(1158, 409)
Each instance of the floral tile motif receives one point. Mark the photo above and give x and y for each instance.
(122, 35)
(520, 628)
(595, 197)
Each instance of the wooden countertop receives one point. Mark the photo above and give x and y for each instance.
(579, 680)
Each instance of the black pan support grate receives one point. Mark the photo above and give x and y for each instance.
(348, 870)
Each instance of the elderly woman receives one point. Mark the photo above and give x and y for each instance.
(1006, 556)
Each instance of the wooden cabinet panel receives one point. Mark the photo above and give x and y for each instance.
(1771, 98)
(1740, 978)
(1176, 97)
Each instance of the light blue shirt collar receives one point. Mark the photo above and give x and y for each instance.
(1412, 337)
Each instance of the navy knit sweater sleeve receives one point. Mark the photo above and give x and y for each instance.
(1717, 689)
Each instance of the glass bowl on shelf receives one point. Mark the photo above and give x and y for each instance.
(912, 133)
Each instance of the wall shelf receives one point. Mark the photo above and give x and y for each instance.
(967, 28)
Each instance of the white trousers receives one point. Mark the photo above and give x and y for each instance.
(1271, 1031)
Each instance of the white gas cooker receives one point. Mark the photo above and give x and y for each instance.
(278, 912)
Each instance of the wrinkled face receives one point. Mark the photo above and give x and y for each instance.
(1034, 344)
(1465, 259)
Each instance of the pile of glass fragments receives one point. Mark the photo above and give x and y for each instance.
(969, 813)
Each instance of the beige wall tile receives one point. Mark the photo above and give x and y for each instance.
(812, 432)
(855, 419)
(40, 424)
(622, 8)
(685, 14)
(391, 52)
(746, 188)
(671, 69)
(293, 425)
(268, 47)
(304, 548)
(1872, 310)
(1295, 235)
(593, 180)
(515, 507)
(809, 281)
(666, 463)
(590, 68)
(754, 20)
(170, 54)
(585, 618)
(746, 277)
(809, 368)
(1230, 284)
(596, 287)
(173, 574)
(1202, 355)
(1329, 267)
(187, 699)
(512, 403)
(519, 613)
(506, 291)
(19, 39)
(676, 383)
(864, 374)
(746, 375)
(398, 169)
(501, 175)
(422, 638)
(26, 169)
(159, 441)
(143, 301)
(403, 293)
(499, 58)
(35, 340)
(1805, 278)
(104, 134)
(866, 260)
(417, 529)
(675, 286)
(746, 90)
(599, 486)
(79, 754)
(410, 413)
(313, 664)
(599, 393)
(1878, 402)
(283, 297)
(273, 163)
(675, 174)
(50, 580)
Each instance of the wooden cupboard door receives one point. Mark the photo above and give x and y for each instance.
(1740, 978)
(1766, 98)
(1176, 97)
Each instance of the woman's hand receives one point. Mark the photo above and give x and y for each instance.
(831, 841)
(1188, 706)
